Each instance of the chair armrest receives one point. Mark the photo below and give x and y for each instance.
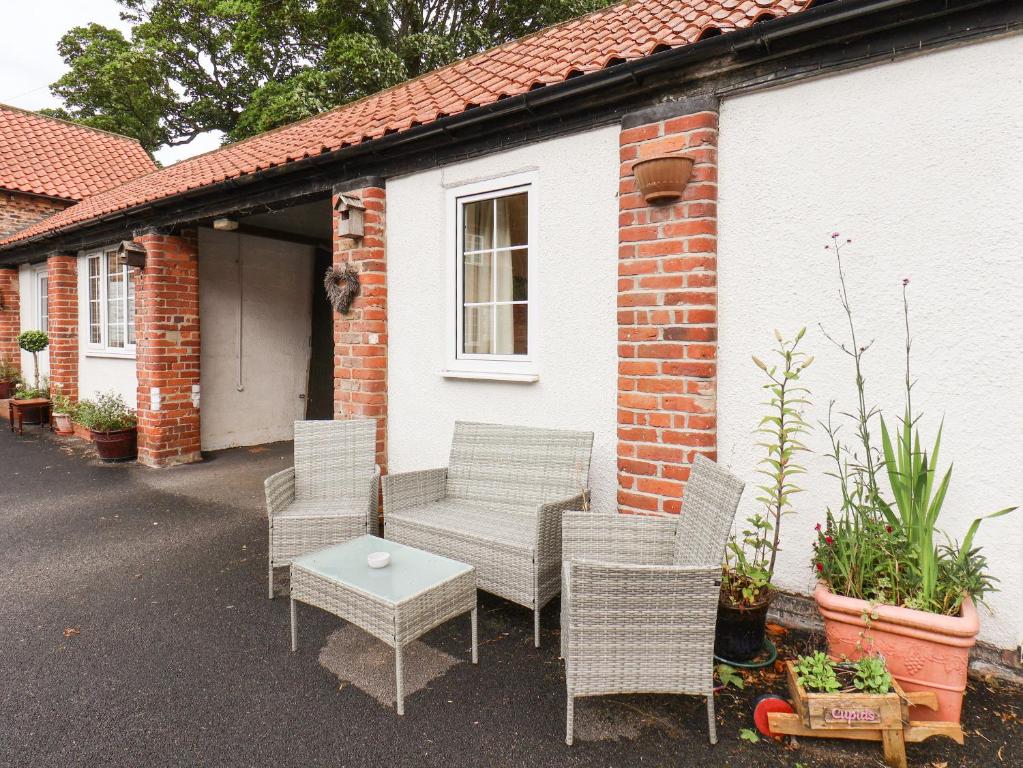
(373, 514)
(407, 490)
(280, 491)
(614, 538)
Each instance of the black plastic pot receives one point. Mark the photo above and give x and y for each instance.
(740, 631)
(118, 445)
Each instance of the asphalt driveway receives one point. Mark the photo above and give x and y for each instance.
(135, 631)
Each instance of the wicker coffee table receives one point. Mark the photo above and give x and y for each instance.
(397, 604)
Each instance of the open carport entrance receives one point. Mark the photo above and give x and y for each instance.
(266, 327)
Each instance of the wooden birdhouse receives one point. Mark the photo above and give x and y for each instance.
(351, 216)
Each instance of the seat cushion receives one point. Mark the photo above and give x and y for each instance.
(511, 525)
(346, 506)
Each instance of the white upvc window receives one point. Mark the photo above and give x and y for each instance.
(110, 303)
(492, 314)
(42, 300)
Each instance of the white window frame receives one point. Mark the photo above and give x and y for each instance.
(102, 349)
(476, 366)
(41, 295)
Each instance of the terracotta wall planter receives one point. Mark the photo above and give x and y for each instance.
(662, 178)
(82, 432)
(925, 651)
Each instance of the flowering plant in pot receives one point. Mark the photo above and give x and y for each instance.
(33, 342)
(885, 585)
(10, 377)
(112, 424)
(63, 413)
(746, 590)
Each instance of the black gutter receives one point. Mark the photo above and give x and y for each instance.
(446, 129)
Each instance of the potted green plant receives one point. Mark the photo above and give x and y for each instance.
(10, 377)
(63, 414)
(885, 585)
(33, 342)
(112, 426)
(746, 590)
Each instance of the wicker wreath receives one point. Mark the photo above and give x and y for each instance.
(342, 285)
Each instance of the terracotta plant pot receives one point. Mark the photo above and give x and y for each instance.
(117, 445)
(924, 651)
(6, 390)
(739, 635)
(662, 178)
(63, 424)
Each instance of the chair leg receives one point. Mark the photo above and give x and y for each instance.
(270, 570)
(536, 627)
(570, 720)
(711, 725)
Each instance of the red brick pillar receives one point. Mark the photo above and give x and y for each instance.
(667, 311)
(167, 338)
(10, 315)
(62, 306)
(360, 336)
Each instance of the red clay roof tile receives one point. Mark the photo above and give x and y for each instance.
(44, 156)
(621, 32)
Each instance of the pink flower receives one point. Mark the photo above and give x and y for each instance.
(829, 540)
(818, 527)
(820, 568)
(888, 528)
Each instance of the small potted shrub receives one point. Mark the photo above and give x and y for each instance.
(746, 590)
(63, 414)
(10, 377)
(885, 585)
(112, 426)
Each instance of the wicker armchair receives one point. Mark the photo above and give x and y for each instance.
(640, 595)
(497, 506)
(329, 496)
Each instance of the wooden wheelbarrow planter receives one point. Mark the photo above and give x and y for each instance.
(863, 716)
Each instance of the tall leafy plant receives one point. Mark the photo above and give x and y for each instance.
(750, 559)
(917, 503)
(34, 342)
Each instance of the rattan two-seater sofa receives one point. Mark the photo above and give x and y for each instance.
(497, 505)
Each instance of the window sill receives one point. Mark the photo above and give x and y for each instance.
(519, 378)
(111, 355)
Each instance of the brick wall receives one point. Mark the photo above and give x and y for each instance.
(167, 337)
(18, 211)
(62, 304)
(10, 315)
(667, 316)
(360, 337)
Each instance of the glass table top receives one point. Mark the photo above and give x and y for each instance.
(410, 572)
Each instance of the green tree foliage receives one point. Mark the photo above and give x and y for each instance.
(245, 66)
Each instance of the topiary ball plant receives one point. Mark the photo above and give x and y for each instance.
(34, 342)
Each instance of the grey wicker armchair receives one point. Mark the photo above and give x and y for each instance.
(329, 496)
(640, 595)
(497, 506)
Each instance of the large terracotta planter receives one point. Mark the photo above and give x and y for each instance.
(6, 389)
(116, 445)
(63, 424)
(924, 651)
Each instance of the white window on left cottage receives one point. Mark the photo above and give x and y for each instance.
(42, 301)
(111, 303)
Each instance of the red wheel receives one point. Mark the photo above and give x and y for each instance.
(764, 705)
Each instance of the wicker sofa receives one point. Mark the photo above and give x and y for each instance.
(640, 595)
(497, 506)
(329, 496)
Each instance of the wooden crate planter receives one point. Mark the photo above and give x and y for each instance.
(863, 716)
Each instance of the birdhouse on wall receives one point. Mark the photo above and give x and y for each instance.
(351, 216)
(131, 253)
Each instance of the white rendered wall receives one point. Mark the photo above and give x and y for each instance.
(921, 164)
(28, 298)
(100, 371)
(573, 284)
(277, 295)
